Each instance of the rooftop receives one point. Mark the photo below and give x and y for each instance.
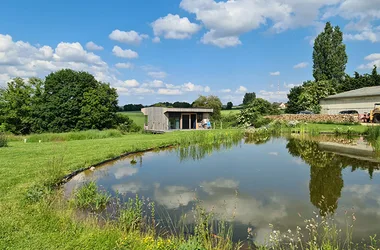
(368, 91)
(192, 110)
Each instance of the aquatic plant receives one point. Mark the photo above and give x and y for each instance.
(131, 215)
(90, 197)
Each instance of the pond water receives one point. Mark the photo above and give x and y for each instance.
(272, 181)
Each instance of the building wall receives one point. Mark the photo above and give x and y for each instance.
(157, 120)
(360, 104)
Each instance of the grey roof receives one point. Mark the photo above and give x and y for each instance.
(194, 110)
(368, 91)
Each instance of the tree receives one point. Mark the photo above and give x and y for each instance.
(313, 92)
(229, 105)
(254, 112)
(329, 55)
(212, 102)
(77, 101)
(248, 98)
(181, 105)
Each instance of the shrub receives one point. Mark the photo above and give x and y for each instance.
(90, 197)
(3, 140)
(126, 124)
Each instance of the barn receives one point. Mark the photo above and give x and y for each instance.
(361, 100)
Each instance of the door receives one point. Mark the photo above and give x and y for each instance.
(185, 121)
(193, 121)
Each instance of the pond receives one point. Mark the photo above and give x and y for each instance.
(279, 181)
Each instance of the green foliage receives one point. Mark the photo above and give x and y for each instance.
(313, 92)
(229, 105)
(126, 124)
(248, 98)
(329, 55)
(212, 102)
(3, 140)
(132, 107)
(191, 244)
(131, 216)
(89, 197)
(253, 114)
(172, 105)
(359, 81)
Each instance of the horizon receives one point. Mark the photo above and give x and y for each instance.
(182, 49)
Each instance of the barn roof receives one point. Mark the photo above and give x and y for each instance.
(368, 91)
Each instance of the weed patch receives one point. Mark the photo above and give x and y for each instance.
(90, 197)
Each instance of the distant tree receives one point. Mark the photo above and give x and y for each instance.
(248, 98)
(77, 101)
(209, 102)
(163, 104)
(132, 107)
(229, 105)
(254, 113)
(294, 106)
(329, 55)
(181, 105)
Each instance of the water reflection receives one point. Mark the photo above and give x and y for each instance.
(264, 180)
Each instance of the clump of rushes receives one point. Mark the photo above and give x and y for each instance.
(90, 197)
(3, 140)
(131, 215)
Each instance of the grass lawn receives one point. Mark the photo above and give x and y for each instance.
(49, 223)
(318, 127)
(137, 116)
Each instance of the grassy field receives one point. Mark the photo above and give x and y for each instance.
(28, 169)
(137, 116)
(230, 112)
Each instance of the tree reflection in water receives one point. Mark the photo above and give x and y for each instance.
(326, 182)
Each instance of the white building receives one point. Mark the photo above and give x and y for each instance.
(362, 100)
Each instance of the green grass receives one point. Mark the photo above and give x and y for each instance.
(332, 128)
(34, 216)
(137, 116)
(230, 112)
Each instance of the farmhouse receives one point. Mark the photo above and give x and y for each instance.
(162, 119)
(362, 100)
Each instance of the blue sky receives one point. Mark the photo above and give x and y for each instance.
(178, 49)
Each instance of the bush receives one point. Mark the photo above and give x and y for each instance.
(90, 197)
(126, 124)
(3, 140)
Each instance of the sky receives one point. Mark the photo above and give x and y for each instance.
(176, 50)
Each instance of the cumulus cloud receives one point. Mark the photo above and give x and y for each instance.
(129, 37)
(375, 60)
(273, 95)
(131, 83)
(156, 39)
(157, 74)
(301, 65)
(124, 65)
(93, 46)
(241, 90)
(20, 59)
(119, 52)
(174, 27)
(169, 92)
(277, 73)
(173, 196)
(222, 42)
(154, 84)
(225, 90)
(190, 87)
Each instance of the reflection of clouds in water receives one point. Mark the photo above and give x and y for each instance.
(273, 153)
(130, 187)
(360, 190)
(125, 171)
(298, 161)
(210, 187)
(262, 235)
(173, 196)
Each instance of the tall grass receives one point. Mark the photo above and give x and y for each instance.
(71, 136)
(90, 197)
(373, 136)
(3, 140)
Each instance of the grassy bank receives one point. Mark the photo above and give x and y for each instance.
(34, 217)
(137, 116)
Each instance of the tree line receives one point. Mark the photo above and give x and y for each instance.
(329, 65)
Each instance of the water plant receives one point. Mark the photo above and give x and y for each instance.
(90, 197)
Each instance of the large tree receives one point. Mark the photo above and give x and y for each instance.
(329, 55)
(229, 105)
(77, 101)
(209, 102)
(248, 98)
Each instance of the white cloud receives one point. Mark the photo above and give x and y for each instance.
(273, 95)
(156, 39)
(93, 46)
(225, 90)
(363, 36)
(169, 92)
(124, 65)
(131, 83)
(241, 90)
(129, 37)
(207, 89)
(301, 65)
(157, 74)
(173, 196)
(291, 85)
(174, 27)
(277, 73)
(221, 42)
(119, 52)
(190, 87)
(142, 91)
(123, 171)
(227, 20)
(129, 187)
(154, 84)
(375, 60)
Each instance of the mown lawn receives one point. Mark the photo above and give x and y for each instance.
(330, 128)
(230, 112)
(137, 116)
(48, 223)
